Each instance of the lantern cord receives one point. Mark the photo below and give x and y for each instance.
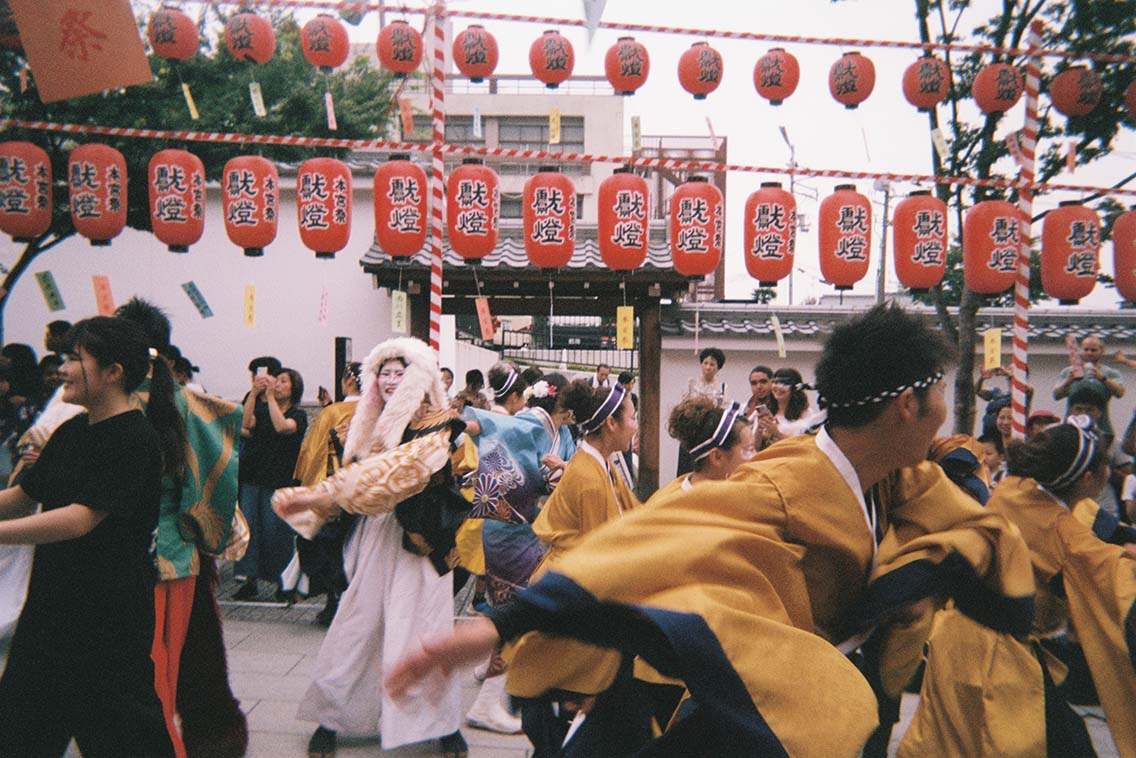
(476, 280)
(551, 309)
(623, 286)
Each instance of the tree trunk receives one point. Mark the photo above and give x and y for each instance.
(31, 252)
(964, 378)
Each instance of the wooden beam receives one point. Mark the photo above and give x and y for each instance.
(650, 379)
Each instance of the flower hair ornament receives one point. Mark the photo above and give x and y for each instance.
(540, 390)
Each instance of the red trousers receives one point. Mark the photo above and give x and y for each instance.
(173, 601)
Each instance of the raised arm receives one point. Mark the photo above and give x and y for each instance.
(56, 525)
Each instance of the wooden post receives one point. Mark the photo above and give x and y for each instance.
(419, 311)
(650, 379)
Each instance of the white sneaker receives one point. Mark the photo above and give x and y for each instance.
(488, 711)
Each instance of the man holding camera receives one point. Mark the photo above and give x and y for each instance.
(1085, 371)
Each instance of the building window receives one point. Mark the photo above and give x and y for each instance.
(531, 133)
(459, 131)
(511, 206)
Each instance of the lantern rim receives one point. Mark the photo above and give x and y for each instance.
(473, 162)
(840, 187)
(696, 178)
(624, 169)
(548, 170)
(1066, 203)
(398, 157)
(919, 193)
(771, 184)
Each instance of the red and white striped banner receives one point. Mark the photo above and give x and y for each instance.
(437, 176)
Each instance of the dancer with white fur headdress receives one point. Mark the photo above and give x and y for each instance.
(401, 458)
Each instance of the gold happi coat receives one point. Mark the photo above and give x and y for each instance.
(776, 561)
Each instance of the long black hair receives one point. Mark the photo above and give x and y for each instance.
(798, 401)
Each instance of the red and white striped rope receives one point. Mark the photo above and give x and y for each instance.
(437, 176)
(1025, 203)
(781, 39)
(540, 156)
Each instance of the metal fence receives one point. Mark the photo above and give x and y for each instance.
(574, 344)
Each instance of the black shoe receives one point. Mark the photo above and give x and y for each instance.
(453, 746)
(327, 615)
(322, 743)
(288, 597)
(247, 591)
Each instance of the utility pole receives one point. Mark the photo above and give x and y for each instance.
(792, 176)
(881, 280)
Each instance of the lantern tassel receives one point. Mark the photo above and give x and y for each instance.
(551, 308)
(257, 98)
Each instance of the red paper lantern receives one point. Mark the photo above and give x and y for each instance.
(775, 75)
(473, 209)
(251, 190)
(177, 198)
(400, 207)
(1070, 252)
(851, 79)
(549, 201)
(696, 227)
(627, 65)
(475, 53)
(622, 232)
(324, 42)
(1076, 91)
(770, 233)
(173, 34)
(997, 88)
(991, 235)
(920, 240)
(250, 38)
(25, 191)
(1130, 99)
(700, 70)
(551, 58)
(400, 48)
(845, 235)
(323, 205)
(926, 82)
(96, 176)
(1124, 254)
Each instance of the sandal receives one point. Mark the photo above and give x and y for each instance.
(454, 746)
(322, 743)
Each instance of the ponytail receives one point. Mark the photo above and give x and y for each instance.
(162, 411)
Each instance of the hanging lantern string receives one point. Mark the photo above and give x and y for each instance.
(721, 33)
(537, 156)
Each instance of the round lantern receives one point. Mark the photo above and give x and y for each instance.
(25, 191)
(1130, 99)
(96, 177)
(997, 88)
(770, 233)
(177, 198)
(775, 75)
(473, 209)
(475, 53)
(324, 42)
(700, 70)
(845, 234)
(551, 58)
(250, 188)
(323, 205)
(926, 82)
(1070, 252)
(919, 240)
(250, 38)
(549, 204)
(851, 79)
(400, 48)
(622, 231)
(696, 227)
(627, 65)
(400, 207)
(991, 236)
(1076, 91)
(1124, 254)
(173, 34)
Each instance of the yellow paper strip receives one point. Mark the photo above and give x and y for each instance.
(625, 327)
(104, 299)
(189, 102)
(554, 126)
(250, 305)
(991, 348)
(400, 316)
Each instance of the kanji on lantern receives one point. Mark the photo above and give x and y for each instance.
(926, 82)
(96, 178)
(775, 75)
(1070, 251)
(475, 53)
(473, 209)
(845, 230)
(173, 34)
(250, 38)
(400, 207)
(696, 223)
(323, 205)
(700, 70)
(1124, 254)
(919, 229)
(622, 230)
(25, 191)
(399, 47)
(551, 58)
(250, 187)
(851, 79)
(997, 88)
(993, 230)
(770, 233)
(324, 42)
(626, 65)
(177, 198)
(549, 209)
(1076, 91)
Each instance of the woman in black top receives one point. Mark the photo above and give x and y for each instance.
(79, 665)
(273, 428)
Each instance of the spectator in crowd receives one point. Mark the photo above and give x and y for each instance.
(1004, 425)
(996, 398)
(602, 377)
(789, 406)
(994, 456)
(24, 373)
(706, 384)
(8, 435)
(448, 381)
(1128, 498)
(627, 379)
(508, 388)
(183, 374)
(1038, 420)
(55, 337)
(472, 393)
(760, 378)
(1085, 400)
(1089, 375)
(273, 431)
(49, 374)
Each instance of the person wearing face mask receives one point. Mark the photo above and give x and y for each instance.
(400, 458)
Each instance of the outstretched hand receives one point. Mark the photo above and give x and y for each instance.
(470, 643)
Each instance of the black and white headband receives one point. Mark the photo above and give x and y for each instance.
(503, 393)
(884, 396)
(1087, 441)
(607, 407)
(720, 435)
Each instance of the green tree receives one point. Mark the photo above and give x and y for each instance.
(1100, 26)
(293, 94)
